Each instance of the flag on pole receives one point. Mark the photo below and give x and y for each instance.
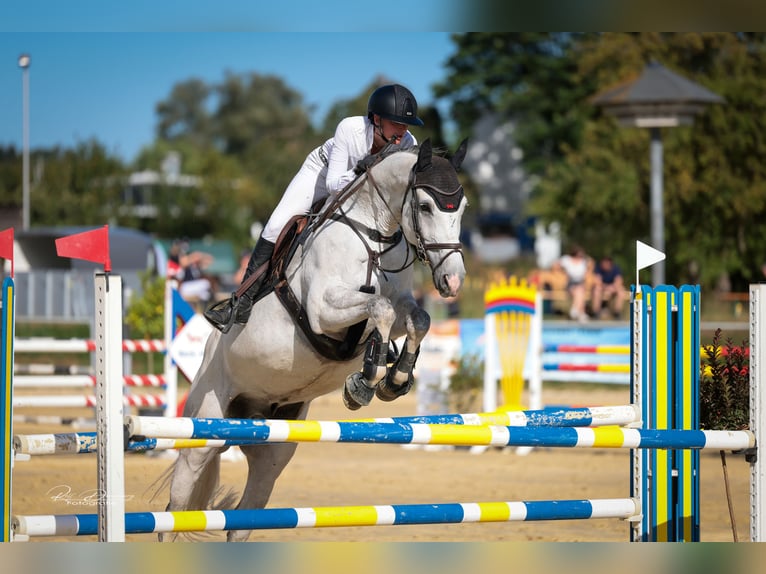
(89, 245)
(6, 246)
(646, 255)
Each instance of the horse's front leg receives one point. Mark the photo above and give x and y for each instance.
(379, 311)
(399, 379)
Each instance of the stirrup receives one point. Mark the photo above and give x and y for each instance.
(227, 305)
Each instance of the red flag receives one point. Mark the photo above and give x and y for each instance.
(89, 245)
(6, 246)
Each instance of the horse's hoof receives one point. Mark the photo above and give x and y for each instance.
(356, 393)
(388, 391)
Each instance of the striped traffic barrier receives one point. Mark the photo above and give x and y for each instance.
(430, 434)
(332, 516)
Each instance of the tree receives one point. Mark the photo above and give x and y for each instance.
(72, 186)
(595, 176)
(221, 203)
(184, 115)
(528, 77)
(254, 109)
(10, 177)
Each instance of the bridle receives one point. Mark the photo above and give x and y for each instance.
(421, 247)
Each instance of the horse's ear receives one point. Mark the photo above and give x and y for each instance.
(424, 156)
(457, 159)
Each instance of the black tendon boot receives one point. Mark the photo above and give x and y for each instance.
(237, 309)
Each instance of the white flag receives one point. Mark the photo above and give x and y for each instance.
(646, 255)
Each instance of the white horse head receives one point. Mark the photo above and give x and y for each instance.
(351, 281)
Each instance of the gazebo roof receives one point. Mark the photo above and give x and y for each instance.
(657, 98)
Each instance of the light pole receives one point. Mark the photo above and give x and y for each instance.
(659, 98)
(24, 62)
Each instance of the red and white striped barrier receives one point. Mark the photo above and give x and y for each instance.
(51, 345)
(68, 401)
(69, 381)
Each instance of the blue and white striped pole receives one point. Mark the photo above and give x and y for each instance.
(333, 516)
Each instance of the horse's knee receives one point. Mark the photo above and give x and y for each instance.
(419, 322)
(383, 314)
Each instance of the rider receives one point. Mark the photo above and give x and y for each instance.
(327, 170)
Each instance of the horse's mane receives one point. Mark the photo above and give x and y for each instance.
(393, 148)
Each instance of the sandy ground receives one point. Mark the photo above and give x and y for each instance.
(332, 474)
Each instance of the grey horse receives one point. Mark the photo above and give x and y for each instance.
(351, 272)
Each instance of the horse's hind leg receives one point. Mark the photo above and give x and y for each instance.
(399, 378)
(194, 482)
(265, 462)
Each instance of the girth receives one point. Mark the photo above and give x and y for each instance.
(294, 235)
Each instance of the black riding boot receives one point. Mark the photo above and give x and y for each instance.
(237, 309)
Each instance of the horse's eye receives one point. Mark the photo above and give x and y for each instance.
(425, 207)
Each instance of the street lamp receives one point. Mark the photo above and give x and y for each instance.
(658, 99)
(24, 62)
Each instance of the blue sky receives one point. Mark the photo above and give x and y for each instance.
(105, 85)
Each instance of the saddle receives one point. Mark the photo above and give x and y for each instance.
(295, 234)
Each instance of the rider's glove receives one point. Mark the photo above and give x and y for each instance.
(364, 164)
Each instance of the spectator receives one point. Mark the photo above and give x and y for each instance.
(575, 265)
(551, 282)
(189, 269)
(608, 288)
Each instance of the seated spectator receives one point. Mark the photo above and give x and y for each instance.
(188, 268)
(575, 265)
(609, 288)
(551, 282)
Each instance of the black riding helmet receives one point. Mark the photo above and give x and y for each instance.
(396, 103)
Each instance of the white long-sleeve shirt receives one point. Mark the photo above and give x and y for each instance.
(317, 179)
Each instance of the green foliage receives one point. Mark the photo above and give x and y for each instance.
(71, 186)
(145, 316)
(724, 386)
(594, 176)
(467, 383)
(10, 177)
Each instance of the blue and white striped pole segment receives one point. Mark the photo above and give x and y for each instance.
(621, 415)
(402, 433)
(86, 442)
(317, 517)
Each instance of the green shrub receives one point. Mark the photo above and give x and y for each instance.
(145, 316)
(724, 385)
(467, 383)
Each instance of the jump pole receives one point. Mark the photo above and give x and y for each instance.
(6, 396)
(334, 516)
(757, 410)
(94, 246)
